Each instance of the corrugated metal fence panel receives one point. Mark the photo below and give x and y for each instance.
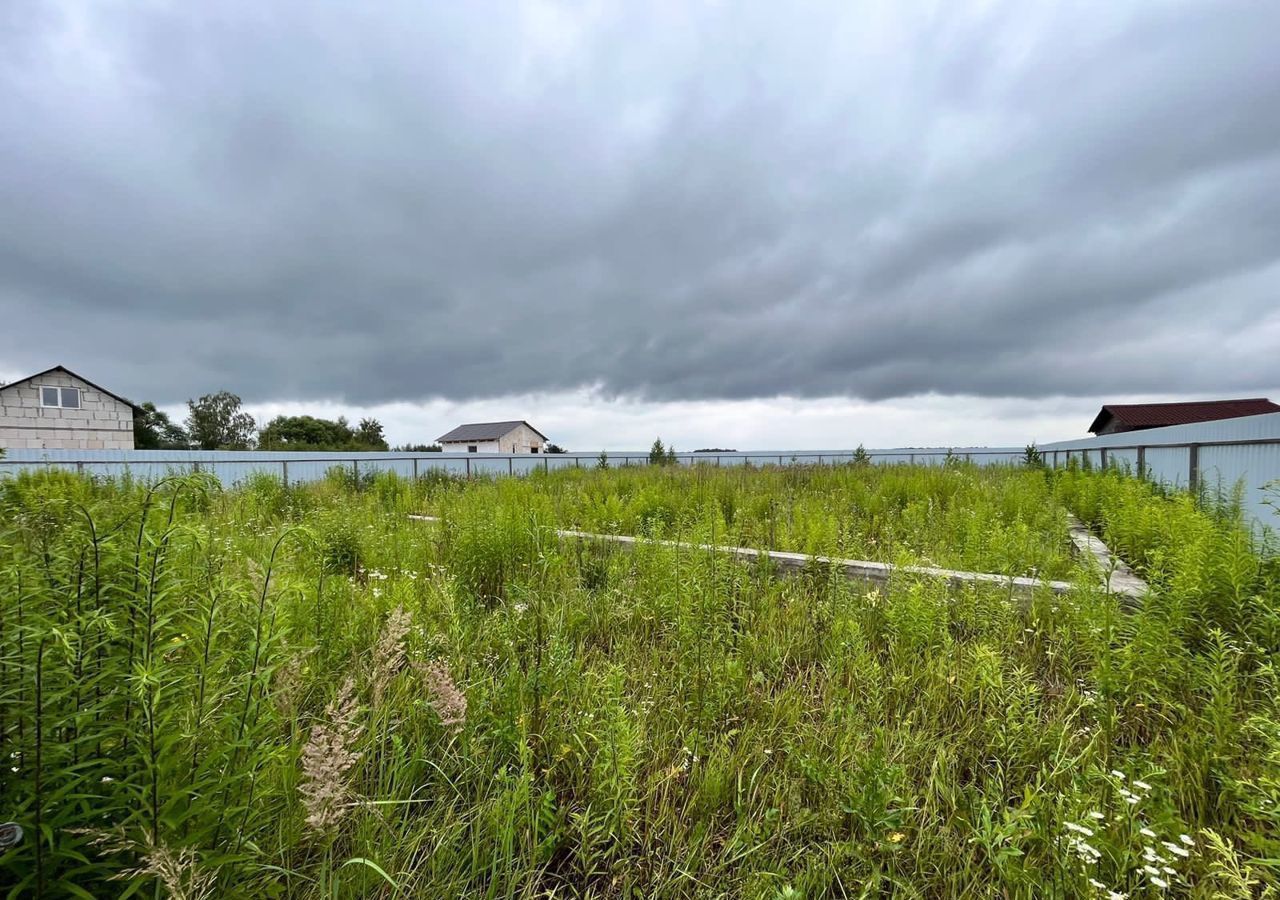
(1169, 465)
(559, 461)
(233, 473)
(1124, 460)
(1255, 468)
(890, 459)
(304, 470)
(400, 466)
(524, 465)
(485, 464)
(1085, 456)
(447, 464)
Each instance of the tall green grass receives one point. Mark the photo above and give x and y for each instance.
(299, 692)
(1004, 520)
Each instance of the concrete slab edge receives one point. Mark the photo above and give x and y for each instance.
(1120, 579)
(853, 569)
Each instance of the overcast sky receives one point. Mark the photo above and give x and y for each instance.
(731, 224)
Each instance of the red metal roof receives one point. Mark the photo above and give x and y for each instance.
(1158, 415)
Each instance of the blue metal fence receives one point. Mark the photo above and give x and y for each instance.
(1205, 457)
(232, 467)
(1210, 458)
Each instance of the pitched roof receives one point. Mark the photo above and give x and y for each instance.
(1158, 415)
(64, 370)
(486, 431)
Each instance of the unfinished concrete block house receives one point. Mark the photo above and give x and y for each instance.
(494, 437)
(59, 410)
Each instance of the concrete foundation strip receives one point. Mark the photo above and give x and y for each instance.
(1119, 577)
(858, 569)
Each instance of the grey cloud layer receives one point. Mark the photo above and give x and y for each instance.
(391, 202)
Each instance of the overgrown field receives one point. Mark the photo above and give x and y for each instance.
(957, 517)
(272, 692)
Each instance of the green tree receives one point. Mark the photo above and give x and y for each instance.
(304, 433)
(370, 435)
(671, 455)
(657, 453)
(311, 433)
(861, 457)
(554, 448)
(602, 461)
(216, 422)
(154, 430)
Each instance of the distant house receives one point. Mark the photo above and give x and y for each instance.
(494, 437)
(1117, 417)
(59, 410)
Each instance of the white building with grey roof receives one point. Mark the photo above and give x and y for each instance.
(494, 437)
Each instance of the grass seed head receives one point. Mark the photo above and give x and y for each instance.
(327, 761)
(178, 870)
(443, 693)
(389, 654)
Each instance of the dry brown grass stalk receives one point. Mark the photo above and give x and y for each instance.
(288, 682)
(443, 693)
(389, 654)
(328, 759)
(178, 870)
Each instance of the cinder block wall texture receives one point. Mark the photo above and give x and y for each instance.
(101, 423)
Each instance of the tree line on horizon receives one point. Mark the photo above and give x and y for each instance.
(218, 422)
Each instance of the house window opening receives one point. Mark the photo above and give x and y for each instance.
(60, 398)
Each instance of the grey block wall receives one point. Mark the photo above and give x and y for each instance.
(101, 423)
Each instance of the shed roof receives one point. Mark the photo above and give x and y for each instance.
(1158, 415)
(486, 431)
(64, 370)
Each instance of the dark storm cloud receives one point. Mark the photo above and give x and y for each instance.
(396, 202)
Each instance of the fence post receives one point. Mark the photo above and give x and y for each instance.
(284, 471)
(468, 462)
(1142, 463)
(511, 466)
(1193, 468)
(415, 468)
(1102, 451)
(546, 464)
(355, 470)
